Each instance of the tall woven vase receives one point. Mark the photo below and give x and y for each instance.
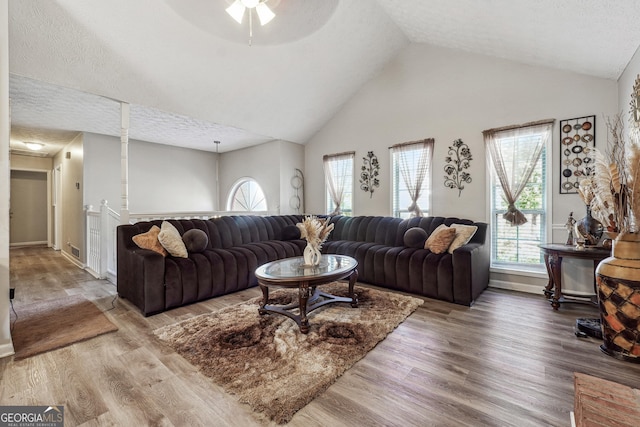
(618, 279)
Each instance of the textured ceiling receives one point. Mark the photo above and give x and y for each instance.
(594, 37)
(191, 78)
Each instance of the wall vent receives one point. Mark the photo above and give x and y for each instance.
(75, 252)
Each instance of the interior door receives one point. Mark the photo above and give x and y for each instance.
(28, 208)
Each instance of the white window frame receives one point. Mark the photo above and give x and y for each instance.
(530, 270)
(234, 189)
(397, 182)
(348, 191)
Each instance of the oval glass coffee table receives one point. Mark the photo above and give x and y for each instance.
(293, 273)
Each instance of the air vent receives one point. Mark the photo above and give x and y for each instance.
(75, 252)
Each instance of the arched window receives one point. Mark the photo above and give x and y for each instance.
(246, 196)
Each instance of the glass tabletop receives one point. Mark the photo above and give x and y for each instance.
(295, 268)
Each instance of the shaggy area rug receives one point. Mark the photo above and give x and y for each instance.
(47, 325)
(268, 363)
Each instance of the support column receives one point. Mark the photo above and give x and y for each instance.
(124, 163)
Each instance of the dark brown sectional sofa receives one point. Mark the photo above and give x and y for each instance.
(237, 245)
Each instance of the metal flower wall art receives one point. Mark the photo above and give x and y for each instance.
(369, 173)
(458, 161)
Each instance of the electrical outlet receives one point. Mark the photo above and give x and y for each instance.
(12, 293)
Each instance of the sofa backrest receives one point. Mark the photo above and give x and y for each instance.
(228, 231)
(390, 231)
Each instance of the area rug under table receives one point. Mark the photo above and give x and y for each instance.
(268, 363)
(47, 325)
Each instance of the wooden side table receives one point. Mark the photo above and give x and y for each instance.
(553, 254)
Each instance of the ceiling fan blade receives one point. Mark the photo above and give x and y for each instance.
(236, 10)
(264, 13)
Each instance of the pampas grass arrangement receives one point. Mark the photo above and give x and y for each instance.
(314, 230)
(613, 190)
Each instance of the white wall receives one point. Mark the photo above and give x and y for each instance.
(71, 199)
(625, 85)
(6, 346)
(101, 171)
(161, 178)
(447, 94)
(291, 158)
(170, 179)
(272, 165)
(22, 162)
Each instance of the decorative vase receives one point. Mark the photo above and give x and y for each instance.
(618, 279)
(609, 237)
(311, 255)
(589, 229)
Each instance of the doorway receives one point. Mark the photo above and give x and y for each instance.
(28, 213)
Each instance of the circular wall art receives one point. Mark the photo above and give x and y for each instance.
(577, 139)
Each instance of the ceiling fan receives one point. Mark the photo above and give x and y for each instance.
(238, 7)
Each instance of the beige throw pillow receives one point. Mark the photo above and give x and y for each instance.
(440, 239)
(171, 240)
(464, 233)
(149, 240)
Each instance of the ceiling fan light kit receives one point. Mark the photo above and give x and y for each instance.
(237, 8)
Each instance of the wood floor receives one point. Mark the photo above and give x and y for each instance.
(507, 361)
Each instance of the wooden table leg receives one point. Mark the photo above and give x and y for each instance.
(555, 263)
(265, 298)
(303, 298)
(352, 281)
(548, 290)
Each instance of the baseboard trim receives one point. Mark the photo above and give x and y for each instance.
(73, 259)
(111, 277)
(520, 287)
(6, 350)
(44, 242)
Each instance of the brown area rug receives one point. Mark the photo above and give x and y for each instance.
(268, 363)
(47, 325)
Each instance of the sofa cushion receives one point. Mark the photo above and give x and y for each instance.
(171, 240)
(290, 232)
(440, 239)
(464, 233)
(149, 240)
(415, 237)
(195, 240)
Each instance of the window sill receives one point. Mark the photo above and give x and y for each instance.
(539, 273)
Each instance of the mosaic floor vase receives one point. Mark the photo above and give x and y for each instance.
(618, 279)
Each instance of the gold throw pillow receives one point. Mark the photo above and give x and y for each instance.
(440, 239)
(149, 240)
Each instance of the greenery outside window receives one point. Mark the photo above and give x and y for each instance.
(511, 245)
(411, 167)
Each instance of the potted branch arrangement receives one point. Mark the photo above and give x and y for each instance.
(615, 188)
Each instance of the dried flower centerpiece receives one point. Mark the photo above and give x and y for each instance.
(315, 231)
(612, 192)
(616, 190)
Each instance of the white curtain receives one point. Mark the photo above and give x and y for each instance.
(336, 170)
(414, 170)
(514, 151)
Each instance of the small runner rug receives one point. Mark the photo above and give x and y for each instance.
(47, 325)
(267, 363)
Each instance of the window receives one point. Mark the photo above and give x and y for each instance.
(246, 196)
(338, 172)
(410, 177)
(520, 163)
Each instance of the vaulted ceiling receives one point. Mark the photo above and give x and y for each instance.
(191, 77)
